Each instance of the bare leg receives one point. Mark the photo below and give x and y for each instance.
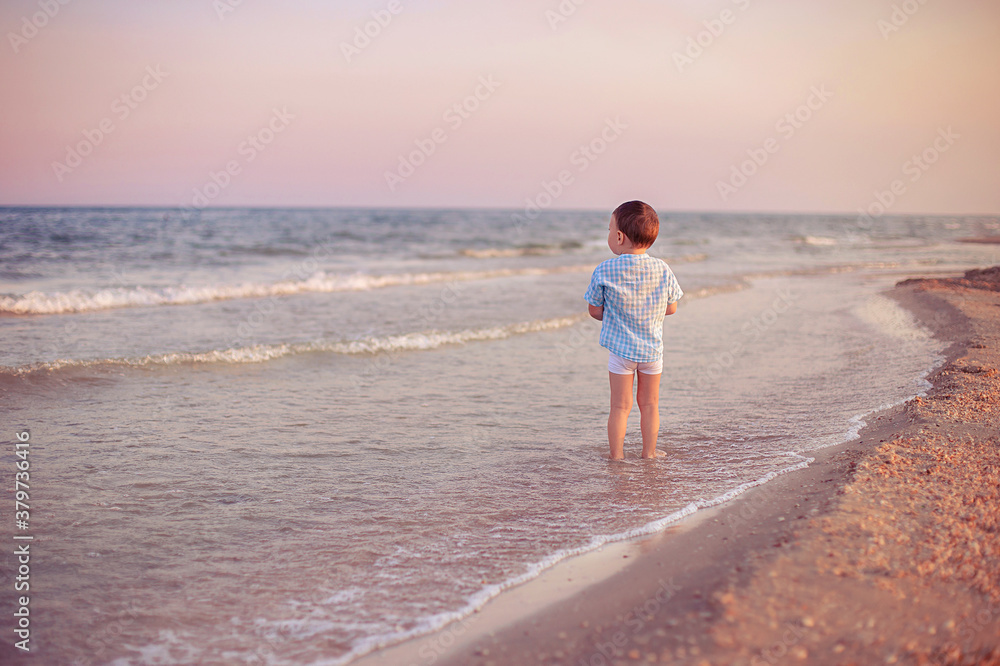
(621, 405)
(648, 397)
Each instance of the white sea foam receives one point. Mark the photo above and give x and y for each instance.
(475, 602)
(261, 353)
(817, 241)
(86, 300)
(890, 318)
(859, 422)
(82, 300)
(705, 292)
(534, 250)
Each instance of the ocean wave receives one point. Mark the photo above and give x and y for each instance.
(835, 269)
(82, 300)
(545, 250)
(705, 292)
(86, 300)
(416, 341)
(816, 241)
(688, 258)
(891, 319)
(521, 251)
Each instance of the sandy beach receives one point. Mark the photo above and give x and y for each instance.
(884, 550)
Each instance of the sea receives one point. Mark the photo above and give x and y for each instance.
(298, 436)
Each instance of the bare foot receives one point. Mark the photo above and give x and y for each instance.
(656, 454)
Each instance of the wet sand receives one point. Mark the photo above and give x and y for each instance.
(885, 550)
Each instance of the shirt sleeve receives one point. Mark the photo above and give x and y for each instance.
(674, 292)
(595, 292)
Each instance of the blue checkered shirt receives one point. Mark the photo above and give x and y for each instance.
(634, 290)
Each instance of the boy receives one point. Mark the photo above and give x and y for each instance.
(631, 294)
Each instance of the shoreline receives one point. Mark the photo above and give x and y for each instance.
(561, 581)
(580, 589)
(671, 600)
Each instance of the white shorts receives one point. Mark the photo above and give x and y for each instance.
(620, 366)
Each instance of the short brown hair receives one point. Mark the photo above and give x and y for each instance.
(638, 221)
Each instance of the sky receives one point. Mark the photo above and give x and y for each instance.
(829, 106)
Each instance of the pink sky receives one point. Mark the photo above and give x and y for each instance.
(673, 129)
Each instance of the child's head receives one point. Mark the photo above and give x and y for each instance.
(638, 221)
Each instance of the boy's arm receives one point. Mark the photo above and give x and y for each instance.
(595, 294)
(673, 291)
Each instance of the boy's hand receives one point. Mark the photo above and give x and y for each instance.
(597, 312)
